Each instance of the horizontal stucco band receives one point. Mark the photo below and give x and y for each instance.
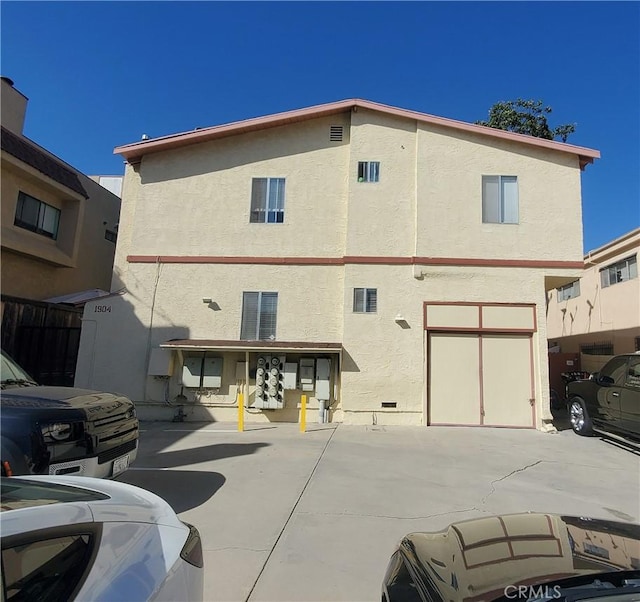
(356, 260)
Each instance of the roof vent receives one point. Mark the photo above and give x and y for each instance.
(335, 133)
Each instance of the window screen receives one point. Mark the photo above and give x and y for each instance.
(259, 316)
(365, 300)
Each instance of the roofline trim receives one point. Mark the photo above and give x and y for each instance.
(135, 151)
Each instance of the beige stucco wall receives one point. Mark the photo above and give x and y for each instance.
(381, 215)
(203, 195)
(382, 360)
(37, 267)
(599, 314)
(13, 105)
(449, 191)
(195, 202)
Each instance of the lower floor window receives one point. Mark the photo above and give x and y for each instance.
(259, 312)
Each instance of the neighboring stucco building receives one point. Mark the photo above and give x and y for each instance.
(392, 263)
(58, 232)
(600, 312)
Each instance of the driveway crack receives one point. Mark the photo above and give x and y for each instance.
(493, 483)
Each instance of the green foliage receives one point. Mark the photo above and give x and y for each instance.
(526, 117)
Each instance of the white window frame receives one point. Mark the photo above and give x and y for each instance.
(365, 300)
(504, 208)
(369, 171)
(254, 326)
(569, 291)
(621, 271)
(267, 208)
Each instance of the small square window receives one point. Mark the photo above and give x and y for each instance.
(368, 171)
(365, 300)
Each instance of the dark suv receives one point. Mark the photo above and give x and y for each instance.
(62, 430)
(609, 401)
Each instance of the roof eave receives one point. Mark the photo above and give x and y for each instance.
(135, 151)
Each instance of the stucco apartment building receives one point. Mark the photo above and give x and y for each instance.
(390, 265)
(599, 314)
(58, 225)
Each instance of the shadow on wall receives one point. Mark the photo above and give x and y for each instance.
(223, 154)
(182, 489)
(348, 363)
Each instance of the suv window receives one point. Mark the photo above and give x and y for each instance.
(47, 570)
(616, 370)
(633, 374)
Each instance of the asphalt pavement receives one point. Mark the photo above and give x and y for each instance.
(289, 516)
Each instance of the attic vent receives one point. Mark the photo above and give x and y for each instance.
(335, 133)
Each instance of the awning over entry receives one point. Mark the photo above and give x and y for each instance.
(280, 346)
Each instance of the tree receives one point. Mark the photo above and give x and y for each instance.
(525, 117)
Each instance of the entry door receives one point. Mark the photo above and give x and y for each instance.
(454, 377)
(506, 380)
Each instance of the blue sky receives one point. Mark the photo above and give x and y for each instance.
(100, 74)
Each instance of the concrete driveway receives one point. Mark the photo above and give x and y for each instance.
(286, 516)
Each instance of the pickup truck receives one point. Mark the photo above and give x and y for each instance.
(63, 430)
(609, 402)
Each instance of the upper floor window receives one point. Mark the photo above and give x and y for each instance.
(368, 171)
(500, 199)
(267, 201)
(569, 291)
(37, 216)
(259, 313)
(365, 300)
(619, 272)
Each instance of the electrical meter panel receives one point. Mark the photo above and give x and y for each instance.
(290, 375)
(307, 373)
(269, 392)
(323, 378)
(212, 373)
(192, 371)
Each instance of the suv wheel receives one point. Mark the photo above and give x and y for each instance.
(579, 418)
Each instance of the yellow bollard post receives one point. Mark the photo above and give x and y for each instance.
(240, 412)
(303, 413)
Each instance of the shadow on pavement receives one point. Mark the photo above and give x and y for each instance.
(181, 489)
(561, 419)
(196, 455)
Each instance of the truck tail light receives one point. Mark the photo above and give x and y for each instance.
(6, 469)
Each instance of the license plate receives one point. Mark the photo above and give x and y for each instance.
(120, 465)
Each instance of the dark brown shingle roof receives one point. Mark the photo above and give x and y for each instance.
(30, 154)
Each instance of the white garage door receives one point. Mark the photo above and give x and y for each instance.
(506, 380)
(480, 379)
(454, 375)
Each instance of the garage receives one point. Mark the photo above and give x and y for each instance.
(480, 364)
